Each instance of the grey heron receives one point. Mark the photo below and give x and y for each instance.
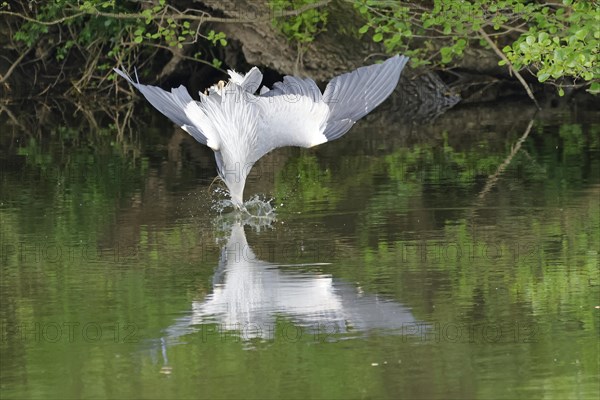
(241, 125)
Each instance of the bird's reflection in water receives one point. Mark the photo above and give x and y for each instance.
(251, 296)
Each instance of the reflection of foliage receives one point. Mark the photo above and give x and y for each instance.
(573, 140)
(480, 270)
(303, 182)
(404, 248)
(406, 172)
(90, 177)
(35, 155)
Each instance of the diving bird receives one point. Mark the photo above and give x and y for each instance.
(241, 125)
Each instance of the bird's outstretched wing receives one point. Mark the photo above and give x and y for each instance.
(178, 106)
(293, 86)
(295, 113)
(353, 95)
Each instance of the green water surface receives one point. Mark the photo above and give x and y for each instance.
(457, 259)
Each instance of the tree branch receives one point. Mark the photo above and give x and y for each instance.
(174, 16)
(14, 65)
(510, 66)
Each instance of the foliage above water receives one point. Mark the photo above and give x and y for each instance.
(559, 43)
(106, 33)
(302, 27)
(553, 41)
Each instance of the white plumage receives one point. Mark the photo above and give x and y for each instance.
(241, 126)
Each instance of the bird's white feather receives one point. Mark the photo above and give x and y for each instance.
(241, 127)
(290, 121)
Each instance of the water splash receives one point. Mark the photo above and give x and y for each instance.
(259, 207)
(257, 212)
(221, 202)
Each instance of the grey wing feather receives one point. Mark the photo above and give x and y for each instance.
(172, 104)
(336, 129)
(353, 95)
(292, 85)
(252, 80)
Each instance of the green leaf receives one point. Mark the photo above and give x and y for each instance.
(377, 37)
(581, 34)
(543, 76)
(594, 88)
